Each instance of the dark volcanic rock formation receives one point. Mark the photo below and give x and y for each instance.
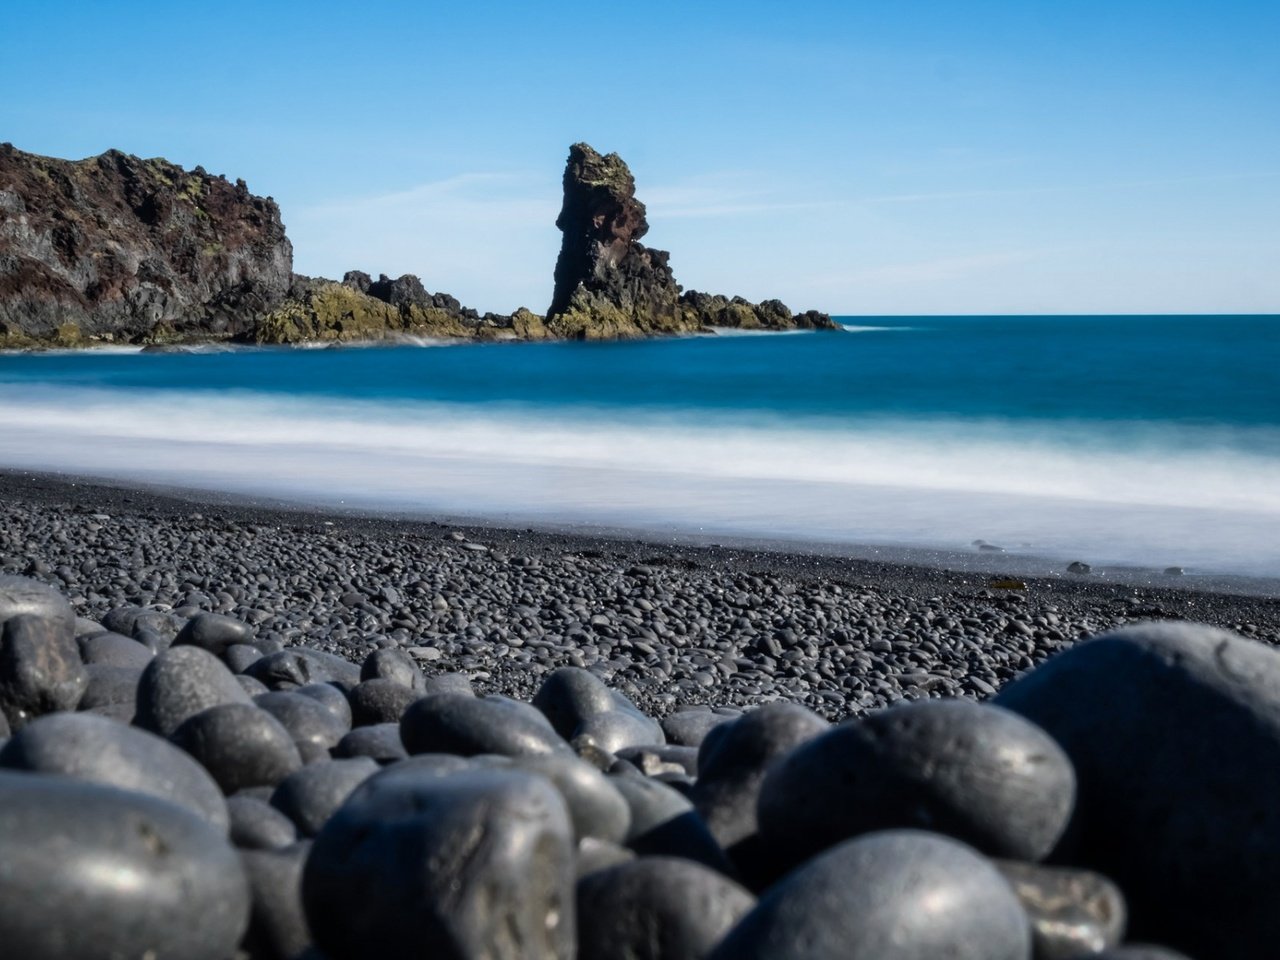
(713, 310)
(360, 308)
(120, 249)
(117, 248)
(608, 284)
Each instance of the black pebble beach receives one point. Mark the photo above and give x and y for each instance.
(245, 731)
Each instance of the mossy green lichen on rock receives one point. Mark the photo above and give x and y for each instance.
(714, 310)
(591, 316)
(68, 335)
(325, 311)
(527, 325)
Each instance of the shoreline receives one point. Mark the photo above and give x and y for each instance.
(672, 624)
(838, 561)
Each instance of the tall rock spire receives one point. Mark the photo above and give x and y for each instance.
(607, 283)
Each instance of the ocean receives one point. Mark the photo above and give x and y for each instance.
(1112, 440)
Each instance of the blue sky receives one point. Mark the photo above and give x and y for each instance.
(861, 158)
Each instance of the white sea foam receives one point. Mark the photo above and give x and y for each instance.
(1193, 500)
(866, 328)
(740, 332)
(103, 349)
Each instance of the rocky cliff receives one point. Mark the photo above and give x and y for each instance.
(120, 249)
(116, 248)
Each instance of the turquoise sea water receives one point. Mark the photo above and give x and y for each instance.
(1132, 440)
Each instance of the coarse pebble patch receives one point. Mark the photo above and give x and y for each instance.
(357, 739)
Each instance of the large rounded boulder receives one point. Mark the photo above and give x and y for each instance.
(1174, 731)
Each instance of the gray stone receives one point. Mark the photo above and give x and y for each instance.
(895, 895)
(394, 664)
(596, 854)
(978, 773)
(256, 825)
(93, 871)
(656, 908)
(689, 728)
(313, 726)
(111, 687)
(381, 741)
(1174, 730)
(113, 650)
(88, 628)
(449, 683)
(161, 623)
(616, 730)
(40, 668)
(181, 682)
(21, 596)
(299, 666)
(240, 656)
(258, 793)
(254, 688)
(96, 749)
(154, 641)
(1072, 912)
(466, 726)
(577, 702)
(122, 619)
(277, 925)
(310, 796)
(568, 695)
(733, 759)
(427, 764)
(332, 697)
(240, 745)
(477, 863)
(596, 807)
(379, 701)
(213, 632)
(664, 823)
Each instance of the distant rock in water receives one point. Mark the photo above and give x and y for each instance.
(609, 285)
(362, 309)
(117, 248)
(713, 310)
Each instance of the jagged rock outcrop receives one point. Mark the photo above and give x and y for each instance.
(361, 308)
(607, 283)
(117, 248)
(713, 310)
(120, 249)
